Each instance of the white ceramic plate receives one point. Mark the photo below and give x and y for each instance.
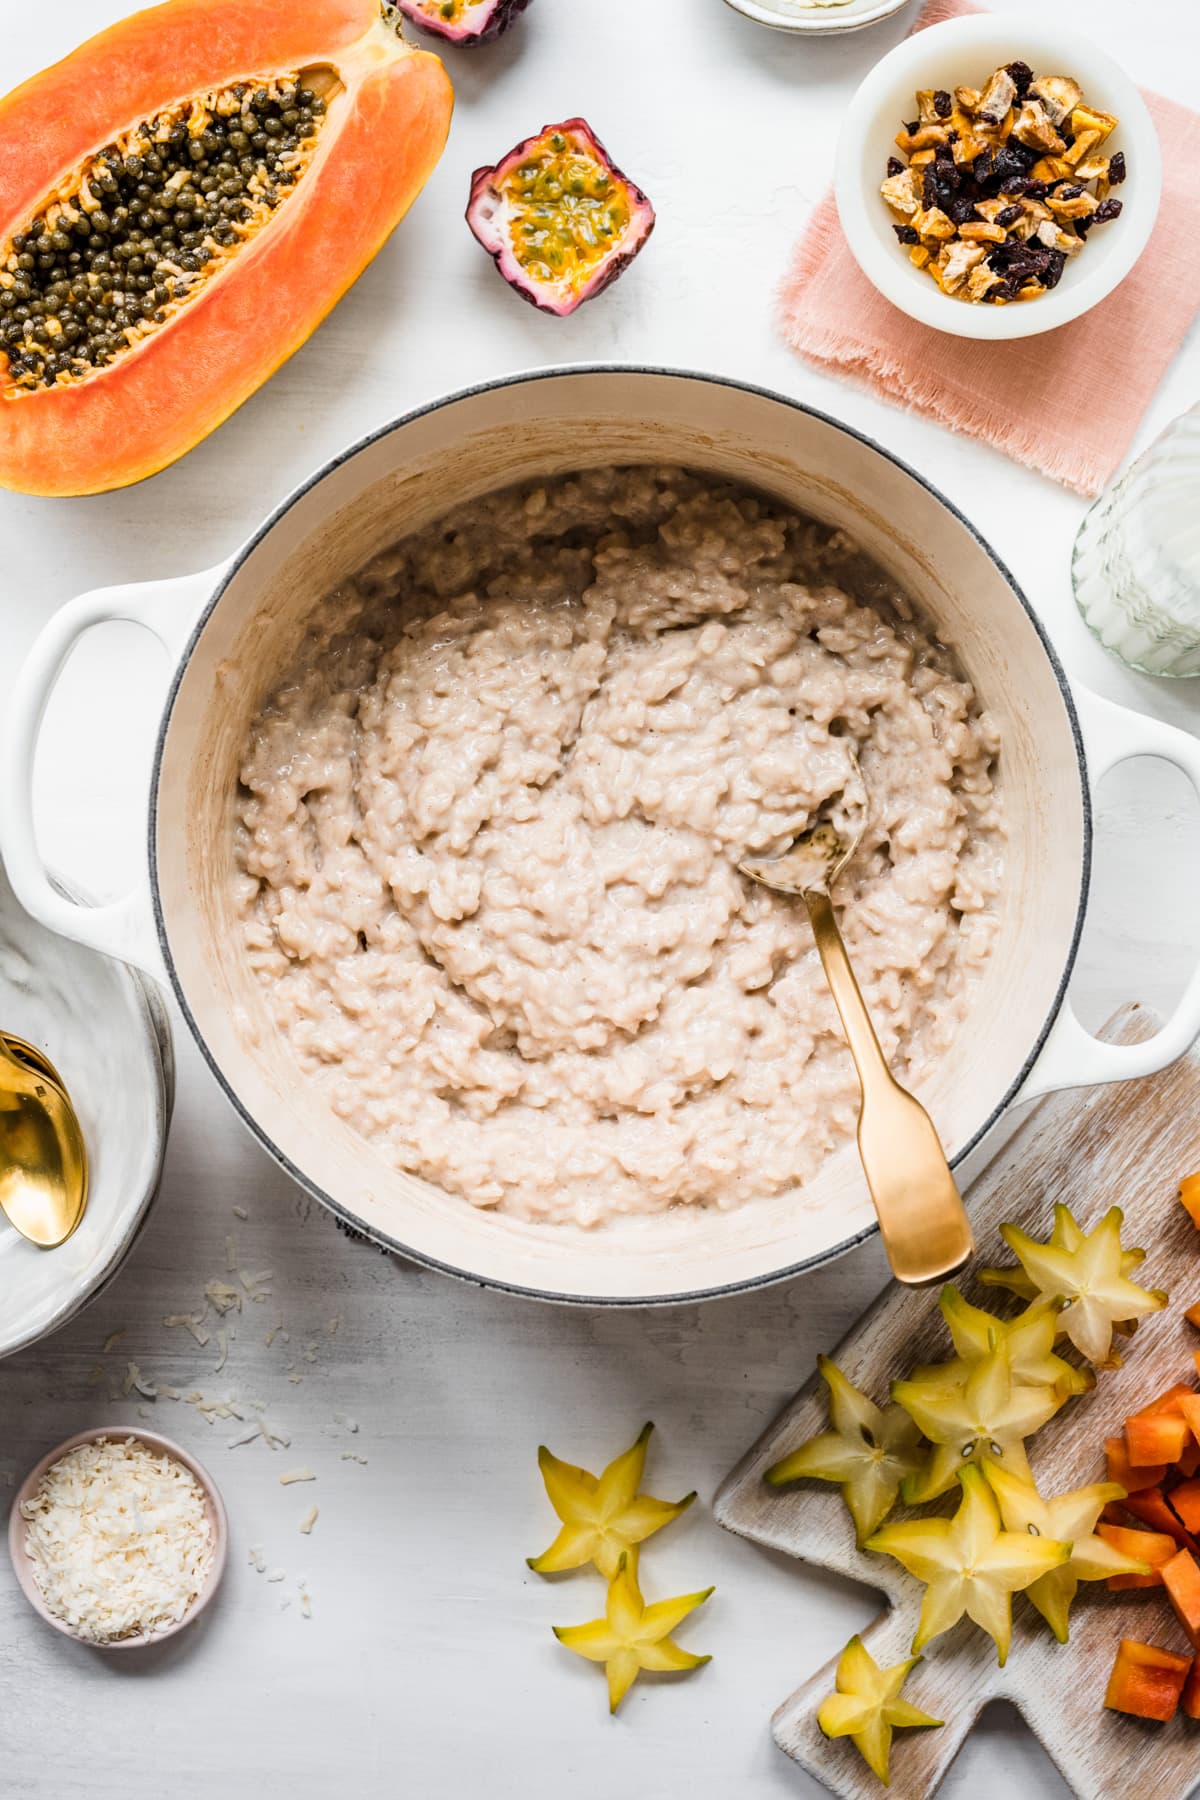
(964, 51)
(817, 21)
(105, 1029)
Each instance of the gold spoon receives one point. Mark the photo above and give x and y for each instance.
(922, 1219)
(43, 1158)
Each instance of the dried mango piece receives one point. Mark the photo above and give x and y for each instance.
(969, 1564)
(633, 1636)
(984, 1417)
(1087, 1271)
(1071, 1518)
(867, 1707)
(603, 1517)
(868, 1452)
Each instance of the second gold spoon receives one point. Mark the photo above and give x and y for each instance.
(922, 1219)
(43, 1158)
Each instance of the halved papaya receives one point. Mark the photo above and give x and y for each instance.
(182, 200)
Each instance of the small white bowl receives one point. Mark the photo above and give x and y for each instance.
(214, 1506)
(818, 21)
(963, 52)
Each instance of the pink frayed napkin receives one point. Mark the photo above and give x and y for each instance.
(1067, 402)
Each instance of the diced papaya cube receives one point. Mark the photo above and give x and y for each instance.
(1156, 1438)
(1122, 1471)
(1189, 1193)
(1192, 1315)
(1146, 1682)
(1189, 1407)
(1167, 1403)
(1181, 1578)
(1153, 1547)
(1185, 1502)
(1151, 1508)
(1191, 1692)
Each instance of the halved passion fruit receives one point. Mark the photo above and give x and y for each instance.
(463, 21)
(558, 217)
(182, 200)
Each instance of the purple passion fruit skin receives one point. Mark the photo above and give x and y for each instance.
(558, 218)
(463, 21)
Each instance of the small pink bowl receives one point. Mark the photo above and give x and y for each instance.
(213, 1505)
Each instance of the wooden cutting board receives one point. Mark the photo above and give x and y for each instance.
(1125, 1145)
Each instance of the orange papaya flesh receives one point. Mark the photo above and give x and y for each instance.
(1190, 1701)
(1181, 1578)
(1185, 1502)
(1192, 1315)
(1122, 1471)
(1189, 1193)
(386, 116)
(1153, 1547)
(1146, 1681)
(1152, 1508)
(1166, 1404)
(1189, 1407)
(1156, 1438)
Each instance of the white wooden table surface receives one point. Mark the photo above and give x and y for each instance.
(427, 1667)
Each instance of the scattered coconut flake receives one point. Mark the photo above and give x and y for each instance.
(345, 1419)
(295, 1377)
(145, 1412)
(276, 1574)
(194, 1325)
(277, 1439)
(305, 1607)
(246, 1437)
(223, 1348)
(167, 1393)
(331, 1325)
(349, 1456)
(239, 1212)
(223, 1296)
(309, 1520)
(231, 1255)
(112, 1340)
(292, 1475)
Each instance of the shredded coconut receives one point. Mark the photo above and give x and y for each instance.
(309, 1520)
(119, 1539)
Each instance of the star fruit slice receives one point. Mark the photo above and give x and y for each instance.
(969, 1564)
(986, 1417)
(1089, 1273)
(869, 1451)
(633, 1636)
(1026, 1342)
(1071, 1518)
(867, 1707)
(604, 1518)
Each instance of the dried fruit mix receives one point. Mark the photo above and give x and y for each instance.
(1002, 184)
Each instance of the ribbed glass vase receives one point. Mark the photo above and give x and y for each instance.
(1136, 567)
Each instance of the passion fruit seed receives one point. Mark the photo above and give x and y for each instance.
(569, 211)
(134, 233)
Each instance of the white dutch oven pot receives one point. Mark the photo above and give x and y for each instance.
(231, 630)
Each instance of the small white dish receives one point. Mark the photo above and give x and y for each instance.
(104, 1027)
(964, 51)
(817, 21)
(214, 1507)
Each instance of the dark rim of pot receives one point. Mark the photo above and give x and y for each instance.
(352, 1220)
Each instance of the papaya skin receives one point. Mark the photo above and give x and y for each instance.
(381, 138)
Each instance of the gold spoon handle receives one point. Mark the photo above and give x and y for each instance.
(922, 1219)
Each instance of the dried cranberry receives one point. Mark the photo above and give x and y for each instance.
(1083, 226)
(961, 209)
(906, 234)
(984, 167)
(943, 105)
(929, 187)
(1055, 267)
(912, 127)
(1022, 77)
(1067, 190)
(1009, 166)
(944, 154)
(1107, 209)
(1017, 184)
(1036, 190)
(895, 166)
(1009, 216)
(1021, 152)
(1116, 168)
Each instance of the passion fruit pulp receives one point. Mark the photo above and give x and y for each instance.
(463, 21)
(558, 217)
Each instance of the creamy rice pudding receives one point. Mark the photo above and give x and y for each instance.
(488, 829)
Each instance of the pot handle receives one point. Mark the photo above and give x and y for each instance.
(123, 928)
(1071, 1056)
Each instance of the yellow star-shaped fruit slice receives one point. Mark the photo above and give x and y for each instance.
(1026, 1343)
(633, 1636)
(1088, 1273)
(867, 1706)
(1071, 1518)
(983, 1417)
(868, 1451)
(969, 1563)
(603, 1517)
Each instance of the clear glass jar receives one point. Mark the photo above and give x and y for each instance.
(1136, 566)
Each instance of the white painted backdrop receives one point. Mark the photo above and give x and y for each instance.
(427, 1667)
